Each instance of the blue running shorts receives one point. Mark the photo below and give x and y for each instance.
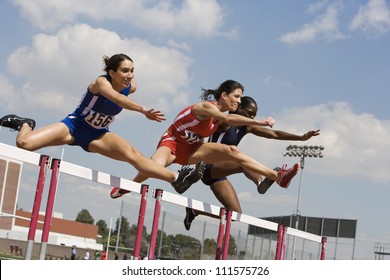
(82, 132)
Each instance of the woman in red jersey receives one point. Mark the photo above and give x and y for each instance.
(183, 142)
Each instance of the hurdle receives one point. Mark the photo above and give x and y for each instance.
(225, 216)
(57, 166)
(225, 219)
(282, 232)
(161, 195)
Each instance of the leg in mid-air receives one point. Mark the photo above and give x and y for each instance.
(225, 193)
(212, 153)
(185, 177)
(224, 169)
(55, 134)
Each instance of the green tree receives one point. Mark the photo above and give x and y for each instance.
(210, 246)
(232, 246)
(124, 232)
(85, 217)
(102, 228)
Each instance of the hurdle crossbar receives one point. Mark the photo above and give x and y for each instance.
(19, 154)
(304, 235)
(71, 169)
(254, 221)
(99, 177)
(191, 203)
(274, 226)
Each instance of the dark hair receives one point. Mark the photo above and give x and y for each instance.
(113, 62)
(214, 94)
(247, 100)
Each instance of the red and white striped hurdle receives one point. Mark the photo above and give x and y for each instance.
(225, 216)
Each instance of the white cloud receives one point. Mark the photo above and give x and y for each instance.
(56, 69)
(325, 27)
(7, 94)
(194, 17)
(179, 45)
(356, 145)
(372, 18)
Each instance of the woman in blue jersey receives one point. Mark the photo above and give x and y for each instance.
(215, 174)
(88, 125)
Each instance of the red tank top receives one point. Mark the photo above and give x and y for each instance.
(186, 128)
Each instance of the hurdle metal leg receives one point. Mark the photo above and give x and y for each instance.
(227, 235)
(36, 206)
(49, 207)
(156, 218)
(218, 253)
(141, 220)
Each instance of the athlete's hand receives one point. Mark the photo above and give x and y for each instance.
(310, 134)
(267, 122)
(154, 115)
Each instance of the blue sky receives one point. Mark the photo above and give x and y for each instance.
(309, 64)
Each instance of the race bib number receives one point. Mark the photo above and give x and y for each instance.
(192, 137)
(99, 120)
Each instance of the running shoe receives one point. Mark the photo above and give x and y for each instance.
(266, 183)
(188, 176)
(286, 175)
(15, 123)
(190, 216)
(117, 192)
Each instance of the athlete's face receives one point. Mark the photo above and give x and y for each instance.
(233, 99)
(122, 77)
(249, 111)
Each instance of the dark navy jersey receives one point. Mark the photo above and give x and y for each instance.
(232, 136)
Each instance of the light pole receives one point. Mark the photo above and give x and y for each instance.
(302, 152)
(147, 249)
(119, 227)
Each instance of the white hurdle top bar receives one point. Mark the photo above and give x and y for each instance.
(189, 202)
(19, 154)
(99, 177)
(71, 169)
(304, 234)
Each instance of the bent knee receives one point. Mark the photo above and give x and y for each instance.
(24, 144)
(233, 150)
(235, 208)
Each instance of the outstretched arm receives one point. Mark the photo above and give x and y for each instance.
(103, 87)
(281, 135)
(206, 110)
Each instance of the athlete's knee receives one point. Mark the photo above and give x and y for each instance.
(24, 143)
(234, 151)
(235, 208)
(134, 156)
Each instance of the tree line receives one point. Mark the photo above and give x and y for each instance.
(177, 246)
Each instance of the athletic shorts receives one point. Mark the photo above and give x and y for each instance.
(82, 132)
(182, 151)
(207, 179)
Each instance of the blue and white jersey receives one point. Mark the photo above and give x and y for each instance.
(96, 110)
(232, 136)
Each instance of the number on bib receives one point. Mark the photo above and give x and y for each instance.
(99, 120)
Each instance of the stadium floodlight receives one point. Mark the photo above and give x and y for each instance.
(302, 152)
